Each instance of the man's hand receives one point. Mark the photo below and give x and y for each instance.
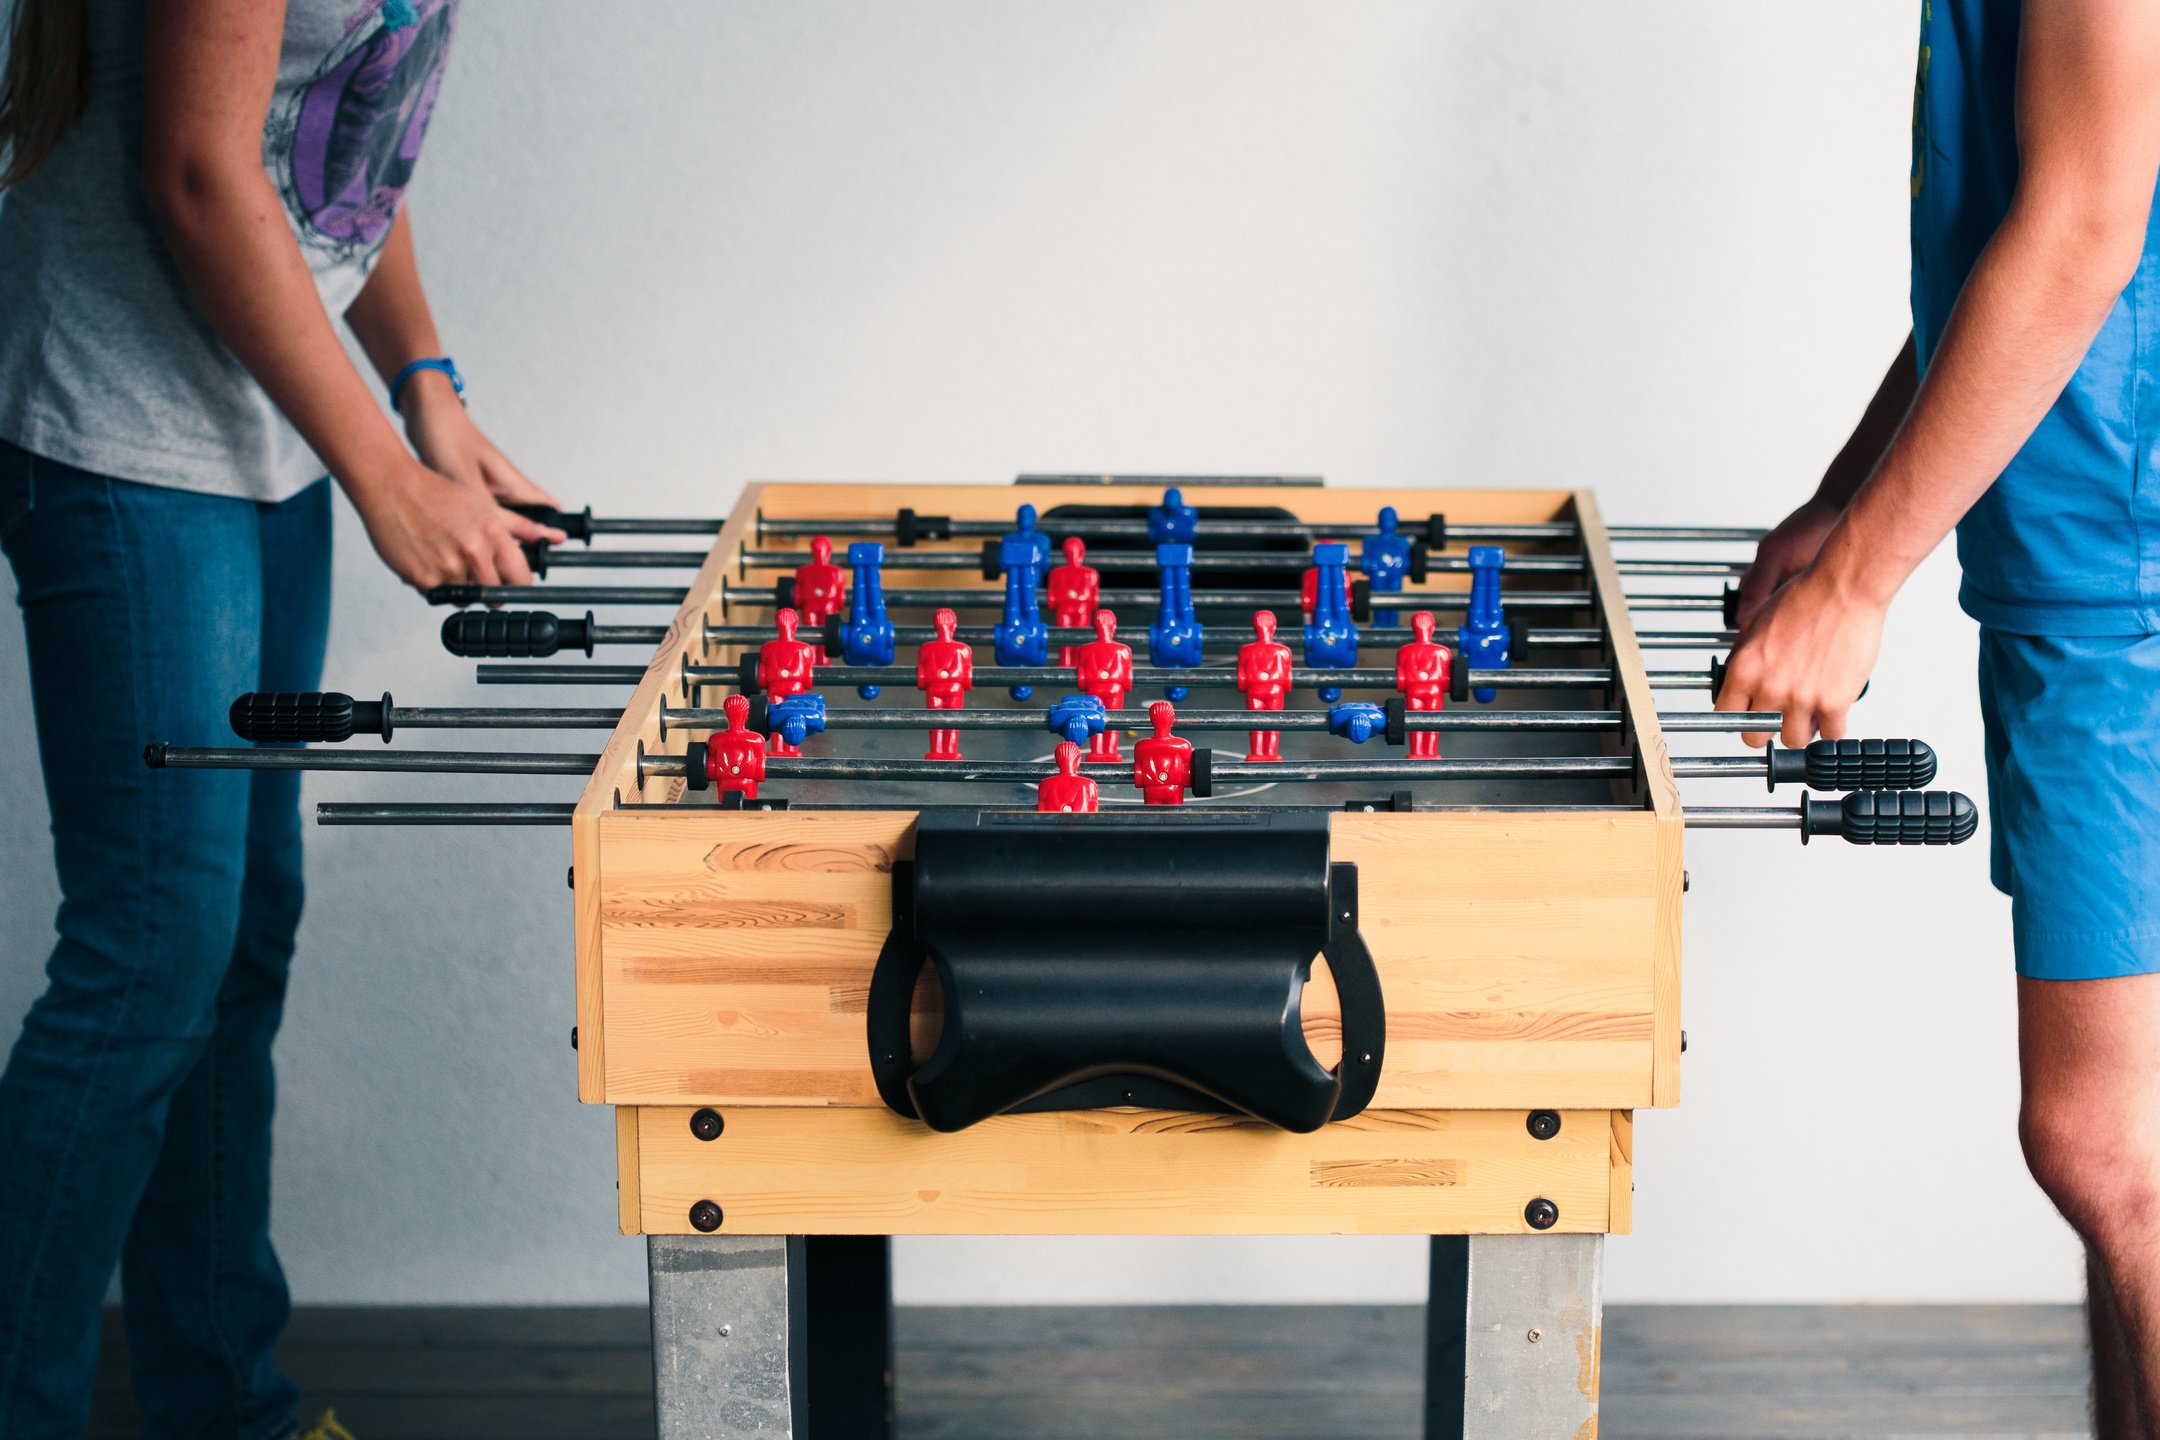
(1808, 653)
(435, 531)
(1784, 553)
(444, 435)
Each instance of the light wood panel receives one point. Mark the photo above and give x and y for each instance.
(1122, 1172)
(626, 1170)
(1515, 951)
(1640, 702)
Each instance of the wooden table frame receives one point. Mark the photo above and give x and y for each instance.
(722, 961)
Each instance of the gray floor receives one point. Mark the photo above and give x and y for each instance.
(1216, 1373)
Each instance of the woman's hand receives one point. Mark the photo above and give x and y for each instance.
(434, 531)
(1808, 653)
(447, 440)
(1784, 553)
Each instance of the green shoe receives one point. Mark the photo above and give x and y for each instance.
(327, 1428)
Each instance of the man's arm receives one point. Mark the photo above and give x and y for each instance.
(1788, 549)
(210, 68)
(2088, 115)
(395, 326)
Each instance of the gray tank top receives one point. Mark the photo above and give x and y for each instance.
(105, 361)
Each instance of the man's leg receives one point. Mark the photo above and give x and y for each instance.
(206, 1297)
(130, 614)
(2073, 761)
(2115, 1404)
(2090, 1054)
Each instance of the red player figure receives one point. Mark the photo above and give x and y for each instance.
(1068, 789)
(1074, 588)
(1162, 763)
(1421, 674)
(1104, 669)
(1309, 587)
(735, 757)
(944, 672)
(820, 588)
(1263, 673)
(786, 666)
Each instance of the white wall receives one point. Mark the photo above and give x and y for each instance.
(1654, 248)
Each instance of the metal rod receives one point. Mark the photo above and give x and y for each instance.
(1217, 676)
(558, 674)
(1367, 634)
(1518, 721)
(657, 526)
(765, 597)
(873, 768)
(1232, 560)
(1010, 675)
(340, 813)
(464, 595)
(402, 717)
(1745, 817)
(1098, 529)
(636, 634)
(622, 560)
(987, 598)
(452, 762)
(336, 812)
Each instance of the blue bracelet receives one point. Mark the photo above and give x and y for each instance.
(435, 362)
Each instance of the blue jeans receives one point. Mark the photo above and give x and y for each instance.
(136, 1103)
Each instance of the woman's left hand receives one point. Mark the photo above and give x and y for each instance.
(447, 441)
(1808, 653)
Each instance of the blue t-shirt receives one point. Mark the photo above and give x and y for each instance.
(2067, 541)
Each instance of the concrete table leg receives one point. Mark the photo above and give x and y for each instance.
(729, 1348)
(1512, 1334)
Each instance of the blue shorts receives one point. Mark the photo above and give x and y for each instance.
(2073, 768)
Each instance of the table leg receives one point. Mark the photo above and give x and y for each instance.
(1512, 1330)
(730, 1354)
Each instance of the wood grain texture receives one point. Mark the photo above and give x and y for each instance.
(616, 778)
(738, 950)
(626, 1170)
(1121, 1172)
(1640, 702)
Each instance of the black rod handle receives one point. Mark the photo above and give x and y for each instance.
(293, 717)
(515, 634)
(1893, 817)
(1856, 765)
(577, 524)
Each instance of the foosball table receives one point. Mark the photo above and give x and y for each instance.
(1096, 856)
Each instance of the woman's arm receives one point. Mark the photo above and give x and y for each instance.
(209, 69)
(2088, 111)
(395, 327)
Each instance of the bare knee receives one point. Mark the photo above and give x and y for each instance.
(2099, 1169)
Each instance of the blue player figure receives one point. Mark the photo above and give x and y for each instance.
(1020, 637)
(1173, 521)
(1482, 640)
(867, 638)
(1385, 560)
(1024, 530)
(1174, 638)
(1331, 636)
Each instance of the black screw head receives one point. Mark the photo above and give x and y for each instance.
(706, 1123)
(1539, 1214)
(705, 1217)
(1543, 1124)
(573, 1037)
